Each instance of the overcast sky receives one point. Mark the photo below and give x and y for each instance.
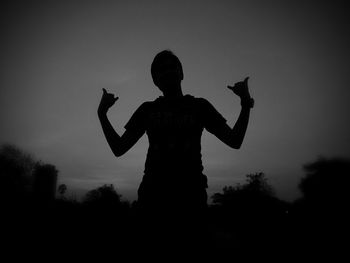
(56, 56)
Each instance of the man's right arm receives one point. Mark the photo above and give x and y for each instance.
(118, 144)
(232, 137)
(112, 137)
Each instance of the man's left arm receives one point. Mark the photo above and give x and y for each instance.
(234, 137)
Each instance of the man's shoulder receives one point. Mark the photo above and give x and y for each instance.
(146, 105)
(187, 99)
(193, 99)
(198, 101)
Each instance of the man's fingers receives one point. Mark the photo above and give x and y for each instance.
(110, 95)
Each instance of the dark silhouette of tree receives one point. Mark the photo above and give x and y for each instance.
(250, 203)
(251, 213)
(326, 181)
(22, 177)
(105, 214)
(256, 187)
(45, 179)
(62, 188)
(16, 169)
(102, 194)
(257, 183)
(325, 189)
(104, 197)
(320, 216)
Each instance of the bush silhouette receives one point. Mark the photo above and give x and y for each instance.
(326, 182)
(105, 200)
(16, 169)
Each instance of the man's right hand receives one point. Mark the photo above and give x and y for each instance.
(106, 102)
(241, 89)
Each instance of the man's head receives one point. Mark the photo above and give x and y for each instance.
(166, 70)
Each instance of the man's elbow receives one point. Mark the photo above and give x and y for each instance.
(118, 153)
(235, 145)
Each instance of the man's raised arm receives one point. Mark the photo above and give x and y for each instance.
(118, 144)
(234, 137)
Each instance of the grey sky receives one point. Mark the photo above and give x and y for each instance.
(58, 55)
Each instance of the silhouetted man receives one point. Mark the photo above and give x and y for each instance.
(174, 124)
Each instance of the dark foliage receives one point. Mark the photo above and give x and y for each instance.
(246, 221)
(62, 188)
(16, 168)
(326, 182)
(321, 215)
(105, 199)
(250, 215)
(23, 179)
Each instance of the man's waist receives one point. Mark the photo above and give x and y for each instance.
(190, 178)
(173, 168)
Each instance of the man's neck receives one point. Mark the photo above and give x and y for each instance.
(176, 92)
